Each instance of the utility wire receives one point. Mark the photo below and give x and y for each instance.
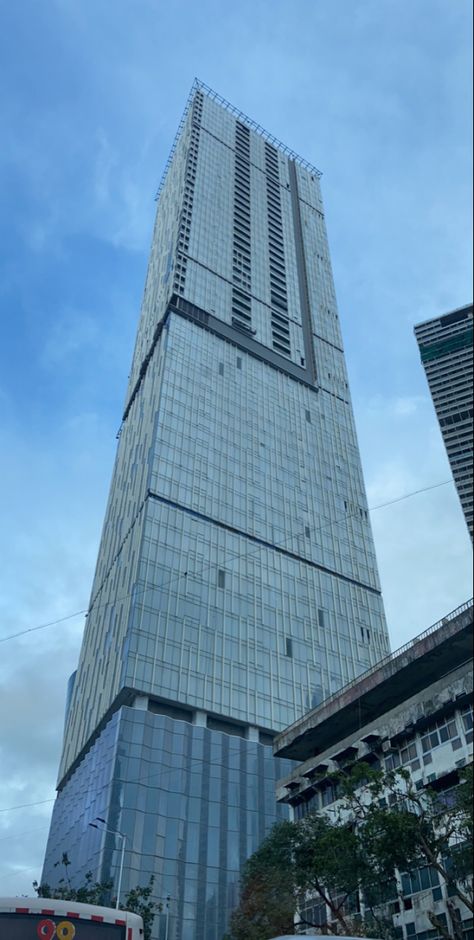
(42, 626)
(17, 871)
(193, 764)
(398, 499)
(233, 557)
(19, 835)
(7, 809)
(84, 611)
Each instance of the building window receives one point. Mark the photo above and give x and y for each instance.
(438, 733)
(328, 795)
(466, 716)
(406, 756)
(221, 578)
(289, 646)
(419, 880)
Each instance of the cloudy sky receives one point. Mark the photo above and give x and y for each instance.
(376, 94)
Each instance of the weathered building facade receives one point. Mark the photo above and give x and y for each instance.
(412, 710)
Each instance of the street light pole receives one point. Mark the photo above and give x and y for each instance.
(114, 832)
(167, 921)
(122, 856)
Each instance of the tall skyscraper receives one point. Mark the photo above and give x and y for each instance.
(445, 345)
(236, 584)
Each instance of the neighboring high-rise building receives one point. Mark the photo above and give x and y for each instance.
(446, 353)
(236, 584)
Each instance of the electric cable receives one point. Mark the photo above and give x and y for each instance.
(233, 557)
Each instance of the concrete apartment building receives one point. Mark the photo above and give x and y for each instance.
(412, 710)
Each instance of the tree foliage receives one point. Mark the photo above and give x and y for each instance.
(380, 826)
(267, 897)
(138, 900)
(403, 827)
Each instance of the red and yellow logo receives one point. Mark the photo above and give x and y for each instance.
(47, 929)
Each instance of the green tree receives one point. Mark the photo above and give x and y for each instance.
(312, 856)
(331, 866)
(138, 900)
(267, 889)
(403, 827)
(380, 824)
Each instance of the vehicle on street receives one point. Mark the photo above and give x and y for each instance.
(51, 919)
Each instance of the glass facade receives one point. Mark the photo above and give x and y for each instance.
(193, 804)
(236, 583)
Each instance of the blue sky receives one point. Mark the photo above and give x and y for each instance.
(374, 92)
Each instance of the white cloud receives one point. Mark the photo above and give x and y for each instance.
(70, 333)
(52, 503)
(403, 406)
(422, 543)
(105, 167)
(378, 101)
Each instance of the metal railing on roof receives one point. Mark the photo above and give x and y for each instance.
(198, 85)
(391, 657)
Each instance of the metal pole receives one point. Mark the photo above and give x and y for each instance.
(114, 832)
(122, 856)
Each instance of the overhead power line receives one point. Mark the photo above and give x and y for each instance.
(19, 835)
(42, 626)
(163, 773)
(398, 499)
(83, 611)
(7, 809)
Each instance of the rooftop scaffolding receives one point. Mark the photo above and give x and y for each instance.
(198, 85)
